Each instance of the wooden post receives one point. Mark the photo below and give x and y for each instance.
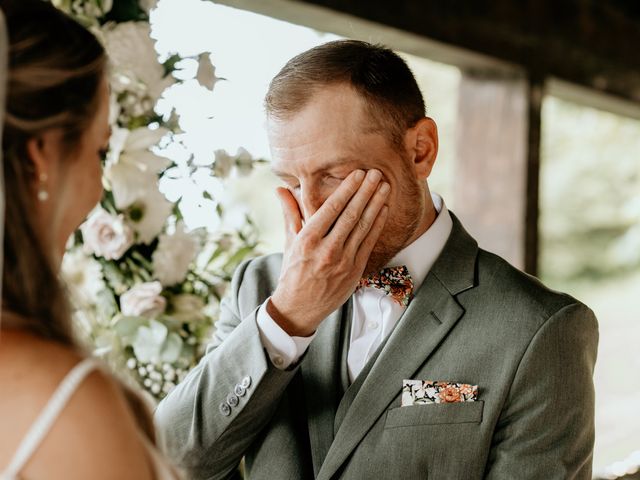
(497, 164)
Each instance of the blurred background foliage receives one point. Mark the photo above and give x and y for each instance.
(590, 194)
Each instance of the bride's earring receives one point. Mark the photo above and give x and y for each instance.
(43, 195)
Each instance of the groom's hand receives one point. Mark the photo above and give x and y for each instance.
(324, 259)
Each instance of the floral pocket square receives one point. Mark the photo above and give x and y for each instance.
(423, 392)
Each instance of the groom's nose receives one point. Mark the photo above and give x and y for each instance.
(311, 199)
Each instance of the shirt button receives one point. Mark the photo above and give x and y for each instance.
(240, 390)
(232, 400)
(225, 409)
(373, 325)
(246, 382)
(278, 361)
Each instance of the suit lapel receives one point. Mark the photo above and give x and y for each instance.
(426, 322)
(321, 368)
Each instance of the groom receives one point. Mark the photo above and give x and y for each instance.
(448, 363)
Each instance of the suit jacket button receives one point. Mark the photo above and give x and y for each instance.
(246, 382)
(232, 400)
(240, 390)
(225, 409)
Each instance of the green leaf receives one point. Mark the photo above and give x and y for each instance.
(171, 348)
(126, 11)
(127, 328)
(237, 257)
(170, 64)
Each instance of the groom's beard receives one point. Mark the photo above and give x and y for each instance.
(402, 223)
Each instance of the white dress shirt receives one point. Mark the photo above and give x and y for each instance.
(374, 314)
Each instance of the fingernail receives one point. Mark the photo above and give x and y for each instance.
(384, 189)
(374, 176)
(359, 175)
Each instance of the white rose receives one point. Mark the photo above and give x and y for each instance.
(143, 300)
(105, 235)
(174, 255)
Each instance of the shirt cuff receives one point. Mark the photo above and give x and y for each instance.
(283, 349)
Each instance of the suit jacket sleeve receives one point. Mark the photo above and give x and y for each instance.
(195, 431)
(546, 428)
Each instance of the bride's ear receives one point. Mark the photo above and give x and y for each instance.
(45, 152)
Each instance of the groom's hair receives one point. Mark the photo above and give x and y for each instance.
(379, 75)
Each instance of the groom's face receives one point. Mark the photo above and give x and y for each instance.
(317, 147)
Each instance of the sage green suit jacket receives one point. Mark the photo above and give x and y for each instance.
(474, 320)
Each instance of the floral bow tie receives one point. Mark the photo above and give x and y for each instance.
(394, 281)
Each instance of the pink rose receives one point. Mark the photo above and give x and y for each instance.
(143, 300)
(105, 235)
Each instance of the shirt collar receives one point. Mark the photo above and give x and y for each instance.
(420, 255)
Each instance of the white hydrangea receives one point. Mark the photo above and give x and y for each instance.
(83, 276)
(173, 256)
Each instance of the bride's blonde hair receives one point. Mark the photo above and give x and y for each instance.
(56, 67)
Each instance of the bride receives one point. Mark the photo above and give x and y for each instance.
(62, 417)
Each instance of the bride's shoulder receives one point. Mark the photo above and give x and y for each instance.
(32, 368)
(95, 424)
(28, 361)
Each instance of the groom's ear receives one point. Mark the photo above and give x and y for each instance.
(421, 142)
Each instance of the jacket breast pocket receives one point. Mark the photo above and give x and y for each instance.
(435, 414)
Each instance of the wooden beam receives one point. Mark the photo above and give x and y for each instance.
(496, 170)
(589, 43)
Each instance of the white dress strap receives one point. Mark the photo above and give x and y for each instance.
(48, 416)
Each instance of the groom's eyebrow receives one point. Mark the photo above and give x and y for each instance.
(341, 162)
